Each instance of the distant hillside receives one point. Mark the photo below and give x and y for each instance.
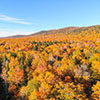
(89, 29)
(71, 30)
(16, 36)
(67, 30)
(62, 30)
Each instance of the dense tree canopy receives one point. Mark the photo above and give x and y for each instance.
(52, 66)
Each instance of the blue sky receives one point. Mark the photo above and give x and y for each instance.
(29, 16)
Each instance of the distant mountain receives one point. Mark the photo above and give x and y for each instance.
(67, 30)
(70, 30)
(16, 36)
(62, 30)
(89, 29)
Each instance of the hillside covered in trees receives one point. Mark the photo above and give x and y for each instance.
(59, 64)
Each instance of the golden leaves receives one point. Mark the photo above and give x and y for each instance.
(54, 66)
(96, 91)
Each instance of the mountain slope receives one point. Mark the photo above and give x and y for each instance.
(62, 30)
(67, 30)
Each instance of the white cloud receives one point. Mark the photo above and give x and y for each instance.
(12, 20)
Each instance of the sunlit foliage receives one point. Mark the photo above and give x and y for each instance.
(56, 66)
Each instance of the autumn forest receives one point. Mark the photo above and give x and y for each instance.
(61, 64)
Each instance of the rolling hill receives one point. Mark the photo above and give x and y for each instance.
(67, 30)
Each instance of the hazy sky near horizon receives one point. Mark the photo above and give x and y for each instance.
(29, 16)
